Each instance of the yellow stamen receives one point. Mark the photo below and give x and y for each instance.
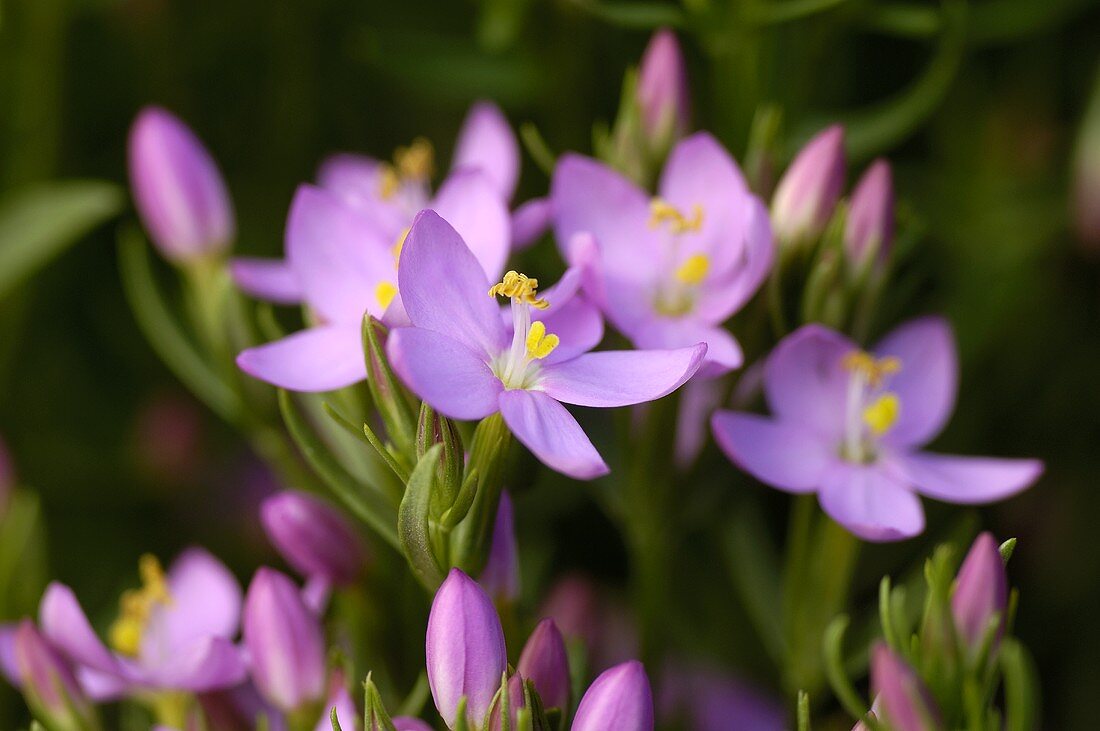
(694, 270)
(873, 369)
(136, 606)
(400, 243)
(539, 344)
(417, 161)
(388, 182)
(663, 212)
(521, 287)
(384, 293)
(882, 413)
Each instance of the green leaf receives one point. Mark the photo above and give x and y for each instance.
(644, 15)
(412, 521)
(37, 223)
(1021, 688)
(375, 716)
(754, 570)
(834, 668)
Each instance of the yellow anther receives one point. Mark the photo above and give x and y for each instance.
(662, 212)
(539, 343)
(388, 182)
(873, 369)
(384, 293)
(415, 162)
(694, 270)
(136, 606)
(882, 413)
(519, 287)
(400, 244)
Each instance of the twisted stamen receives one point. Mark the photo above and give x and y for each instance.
(136, 606)
(663, 212)
(519, 287)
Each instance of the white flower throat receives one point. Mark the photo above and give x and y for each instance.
(869, 410)
(518, 367)
(677, 296)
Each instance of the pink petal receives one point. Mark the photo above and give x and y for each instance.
(927, 381)
(732, 286)
(782, 455)
(577, 323)
(468, 201)
(805, 380)
(723, 352)
(355, 179)
(967, 480)
(267, 279)
(551, 433)
(444, 288)
(870, 503)
(444, 372)
(698, 400)
(65, 625)
(529, 222)
(318, 359)
(620, 377)
(487, 142)
(209, 664)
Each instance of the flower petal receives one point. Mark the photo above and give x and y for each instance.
(446, 373)
(468, 201)
(612, 378)
(551, 433)
(338, 255)
(782, 455)
(805, 380)
(8, 667)
(698, 400)
(723, 352)
(967, 480)
(356, 180)
(209, 664)
(870, 503)
(578, 325)
(317, 359)
(266, 279)
(741, 275)
(487, 142)
(65, 625)
(927, 381)
(444, 288)
(529, 222)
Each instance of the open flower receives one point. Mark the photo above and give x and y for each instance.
(174, 633)
(667, 271)
(464, 360)
(848, 425)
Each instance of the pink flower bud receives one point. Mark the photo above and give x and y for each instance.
(904, 701)
(545, 663)
(500, 577)
(807, 193)
(663, 90)
(313, 537)
(619, 699)
(177, 188)
(48, 682)
(981, 592)
(869, 230)
(515, 702)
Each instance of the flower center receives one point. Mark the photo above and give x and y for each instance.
(518, 366)
(414, 163)
(136, 606)
(677, 296)
(870, 410)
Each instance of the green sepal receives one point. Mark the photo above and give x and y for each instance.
(387, 393)
(413, 521)
(375, 716)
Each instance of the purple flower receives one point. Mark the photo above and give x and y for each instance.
(177, 188)
(707, 699)
(174, 633)
(807, 193)
(407, 723)
(904, 702)
(848, 424)
(619, 699)
(314, 537)
(545, 663)
(663, 90)
(340, 699)
(869, 230)
(463, 359)
(47, 680)
(981, 592)
(464, 649)
(285, 642)
(516, 701)
(500, 577)
(667, 271)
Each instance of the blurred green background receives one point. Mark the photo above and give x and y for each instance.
(977, 104)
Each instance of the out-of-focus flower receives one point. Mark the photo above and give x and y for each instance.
(48, 682)
(500, 577)
(663, 94)
(545, 663)
(7, 478)
(174, 633)
(340, 699)
(313, 537)
(808, 192)
(981, 592)
(178, 189)
(869, 230)
(464, 360)
(407, 723)
(606, 629)
(168, 437)
(1086, 183)
(667, 271)
(285, 642)
(464, 648)
(849, 424)
(620, 698)
(904, 702)
(708, 700)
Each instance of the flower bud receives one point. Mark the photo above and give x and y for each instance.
(408, 723)
(869, 230)
(663, 91)
(464, 649)
(620, 699)
(313, 537)
(807, 193)
(500, 577)
(177, 188)
(340, 699)
(904, 701)
(545, 663)
(48, 683)
(980, 593)
(515, 702)
(284, 641)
